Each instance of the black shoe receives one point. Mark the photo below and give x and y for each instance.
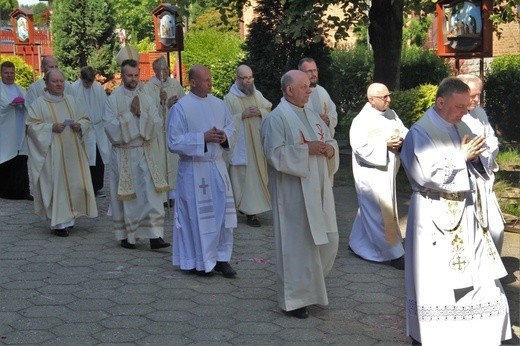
(252, 221)
(300, 313)
(201, 272)
(415, 342)
(398, 263)
(126, 244)
(29, 197)
(169, 204)
(61, 232)
(158, 243)
(225, 269)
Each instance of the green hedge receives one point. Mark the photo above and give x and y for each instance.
(220, 52)
(502, 95)
(353, 72)
(24, 71)
(419, 66)
(411, 104)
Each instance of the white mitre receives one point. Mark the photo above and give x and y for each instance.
(127, 52)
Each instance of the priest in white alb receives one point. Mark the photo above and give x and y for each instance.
(200, 129)
(57, 129)
(92, 97)
(165, 91)
(453, 291)
(132, 125)
(301, 157)
(319, 100)
(247, 164)
(14, 175)
(477, 120)
(376, 136)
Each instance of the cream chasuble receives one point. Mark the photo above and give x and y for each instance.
(169, 161)
(247, 164)
(58, 162)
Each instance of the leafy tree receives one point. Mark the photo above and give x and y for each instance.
(41, 13)
(386, 22)
(502, 91)
(6, 7)
(83, 34)
(222, 58)
(272, 52)
(211, 18)
(135, 17)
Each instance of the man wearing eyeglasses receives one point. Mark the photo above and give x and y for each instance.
(376, 136)
(319, 100)
(247, 164)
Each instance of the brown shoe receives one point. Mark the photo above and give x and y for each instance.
(252, 221)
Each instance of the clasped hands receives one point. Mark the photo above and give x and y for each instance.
(320, 148)
(394, 142)
(472, 148)
(214, 135)
(168, 101)
(59, 127)
(251, 111)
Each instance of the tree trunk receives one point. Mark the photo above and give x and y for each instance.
(385, 33)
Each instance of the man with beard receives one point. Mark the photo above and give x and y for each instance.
(320, 100)
(247, 164)
(132, 124)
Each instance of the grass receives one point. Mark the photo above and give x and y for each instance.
(507, 183)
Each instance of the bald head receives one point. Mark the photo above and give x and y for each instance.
(244, 80)
(200, 80)
(244, 70)
(378, 96)
(296, 87)
(49, 63)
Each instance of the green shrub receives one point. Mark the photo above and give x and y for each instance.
(502, 95)
(24, 72)
(353, 72)
(411, 104)
(419, 66)
(220, 52)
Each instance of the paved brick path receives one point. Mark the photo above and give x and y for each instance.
(87, 290)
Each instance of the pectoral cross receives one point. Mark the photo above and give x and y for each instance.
(203, 186)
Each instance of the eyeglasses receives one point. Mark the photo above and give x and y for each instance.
(246, 78)
(311, 71)
(384, 97)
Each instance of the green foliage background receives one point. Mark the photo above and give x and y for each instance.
(502, 95)
(271, 53)
(83, 34)
(220, 52)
